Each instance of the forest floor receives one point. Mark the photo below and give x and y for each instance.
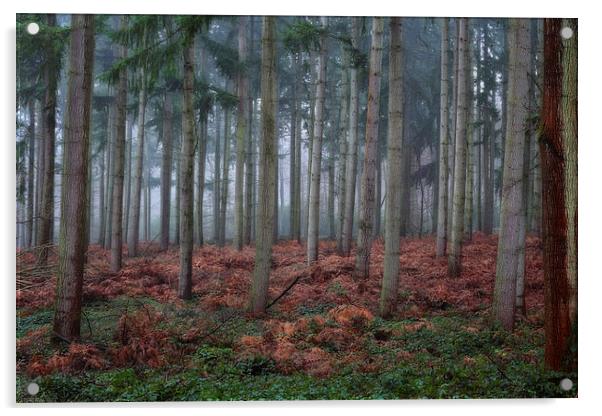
(321, 340)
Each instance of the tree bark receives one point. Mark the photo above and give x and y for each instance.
(351, 168)
(121, 111)
(72, 249)
(510, 266)
(46, 214)
(187, 176)
(366, 219)
(267, 155)
(166, 169)
(457, 224)
(241, 133)
(390, 285)
(134, 232)
(443, 143)
(313, 222)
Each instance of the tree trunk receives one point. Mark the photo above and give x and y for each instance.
(178, 193)
(128, 177)
(558, 145)
(443, 143)
(366, 219)
(510, 266)
(72, 249)
(388, 295)
(293, 154)
(31, 132)
(187, 176)
(121, 110)
(352, 149)
(223, 206)
(166, 169)
(313, 222)
(46, 214)
(267, 155)
(241, 133)
(343, 150)
(249, 177)
(134, 232)
(457, 224)
(110, 173)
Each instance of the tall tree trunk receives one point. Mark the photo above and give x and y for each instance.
(313, 222)
(134, 232)
(46, 214)
(457, 224)
(178, 193)
(390, 285)
(121, 112)
(110, 173)
(452, 144)
(216, 177)
(443, 143)
(223, 206)
(249, 177)
(31, 145)
(343, 150)
(510, 266)
(351, 168)
(366, 219)
(166, 169)
(101, 201)
(187, 176)
(241, 133)
(39, 172)
(128, 178)
(330, 200)
(471, 107)
(558, 146)
(267, 155)
(72, 249)
(293, 154)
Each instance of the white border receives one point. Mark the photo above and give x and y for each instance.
(590, 157)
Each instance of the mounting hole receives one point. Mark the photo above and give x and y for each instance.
(33, 28)
(566, 384)
(566, 32)
(33, 389)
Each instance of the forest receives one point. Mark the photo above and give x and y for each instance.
(295, 208)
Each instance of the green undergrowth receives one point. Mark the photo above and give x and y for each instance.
(445, 356)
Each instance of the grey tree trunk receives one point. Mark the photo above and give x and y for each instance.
(351, 168)
(46, 214)
(110, 173)
(390, 285)
(443, 143)
(241, 134)
(223, 206)
(178, 193)
(249, 177)
(217, 184)
(72, 248)
(267, 155)
(31, 132)
(343, 150)
(187, 176)
(366, 218)
(121, 109)
(128, 178)
(134, 233)
(510, 267)
(313, 222)
(166, 169)
(293, 154)
(457, 225)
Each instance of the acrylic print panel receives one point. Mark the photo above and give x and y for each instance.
(295, 208)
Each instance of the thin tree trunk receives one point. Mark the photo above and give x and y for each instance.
(109, 180)
(166, 169)
(366, 219)
(187, 176)
(31, 132)
(46, 214)
(178, 193)
(313, 222)
(268, 155)
(241, 133)
(390, 285)
(351, 169)
(128, 177)
(343, 149)
(223, 206)
(457, 224)
(121, 109)
(443, 143)
(216, 178)
(72, 249)
(510, 266)
(134, 232)
(249, 177)
(293, 154)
